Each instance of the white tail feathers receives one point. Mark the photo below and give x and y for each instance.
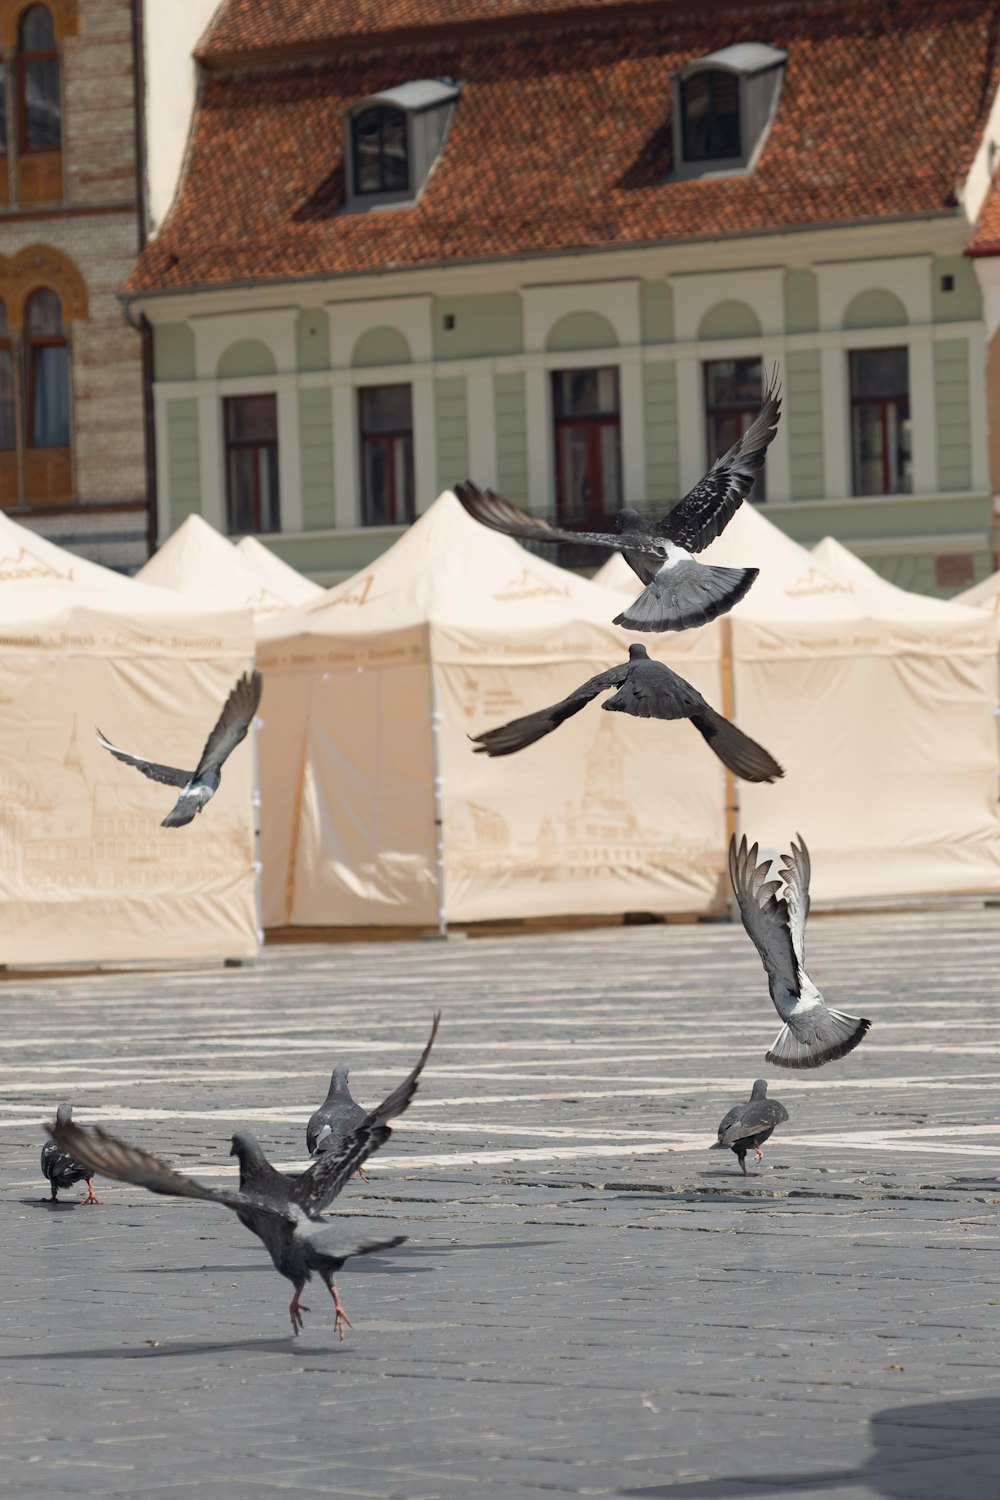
(686, 593)
(817, 1037)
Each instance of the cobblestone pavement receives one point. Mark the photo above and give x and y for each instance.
(589, 1303)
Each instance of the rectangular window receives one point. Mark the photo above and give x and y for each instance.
(733, 393)
(387, 485)
(588, 446)
(251, 427)
(710, 116)
(880, 422)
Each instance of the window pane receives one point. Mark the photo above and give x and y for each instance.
(251, 419)
(395, 176)
(3, 319)
(386, 408)
(242, 467)
(37, 31)
(41, 104)
(269, 517)
(50, 389)
(367, 153)
(611, 468)
(574, 485)
(44, 313)
(375, 455)
(3, 107)
(710, 116)
(380, 158)
(734, 382)
(6, 399)
(879, 372)
(584, 393)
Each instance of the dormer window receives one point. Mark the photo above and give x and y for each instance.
(723, 107)
(394, 141)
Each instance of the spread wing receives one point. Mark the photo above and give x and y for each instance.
(233, 722)
(765, 918)
(492, 510)
(796, 869)
(707, 509)
(104, 1153)
(520, 733)
(167, 774)
(320, 1183)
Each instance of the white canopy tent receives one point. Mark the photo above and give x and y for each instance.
(198, 561)
(375, 810)
(984, 595)
(880, 706)
(87, 873)
(274, 575)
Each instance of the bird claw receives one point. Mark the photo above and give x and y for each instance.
(340, 1318)
(91, 1195)
(295, 1310)
(758, 1153)
(362, 1174)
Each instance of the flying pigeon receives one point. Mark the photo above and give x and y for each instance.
(200, 785)
(336, 1117)
(283, 1213)
(60, 1168)
(649, 690)
(750, 1124)
(813, 1033)
(679, 592)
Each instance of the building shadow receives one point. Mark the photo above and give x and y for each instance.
(930, 1451)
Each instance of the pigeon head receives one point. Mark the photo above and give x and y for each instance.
(64, 1114)
(338, 1080)
(637, 652)
(759, 1090)
(629, 520)
(245, 1146)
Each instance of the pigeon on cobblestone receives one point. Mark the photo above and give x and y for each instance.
(813, 1032)
(283, 1213)
(679, 592)
(200, 785)
(648, 690)
(60, 1168)
(336, 1117)
(750, 1124)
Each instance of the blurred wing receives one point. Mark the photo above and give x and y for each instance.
(104, 1153)
(233, 723)
(766, 920)
(169, 775)
(707, 509)
(520, 733)
(492, 510)
(320, 1183)
(796, 869)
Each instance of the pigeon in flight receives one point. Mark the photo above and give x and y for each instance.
(750, 1124)
(813, 1033)
(283, 1213)
(649, 690)
(679, 592)
(200, 785)
(336, 1117)
(60, 1168)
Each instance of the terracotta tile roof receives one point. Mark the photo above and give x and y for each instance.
(563, 142)
(985, 238)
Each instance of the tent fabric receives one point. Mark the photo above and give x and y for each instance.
(879, 704)
(196, 560)
(396, 820)
(87, 872)
(276, 576)
(984, 595)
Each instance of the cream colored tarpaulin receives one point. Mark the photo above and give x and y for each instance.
(880, 708)
(985, 596)
(87, 873)
(198, 561)
(606, 815)
(281, 581)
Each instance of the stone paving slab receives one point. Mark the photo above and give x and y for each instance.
(589, 1302)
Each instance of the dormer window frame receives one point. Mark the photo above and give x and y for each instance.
(758, 69)
(426, 107)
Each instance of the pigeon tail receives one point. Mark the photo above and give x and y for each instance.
(685, 594)
(744, 757)
(183, 812)
(831, 1034)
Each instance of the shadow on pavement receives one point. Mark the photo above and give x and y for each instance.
(923, 1452)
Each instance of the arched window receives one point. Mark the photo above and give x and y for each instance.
(6, 384)
(46, 372)
(378, 142)
(38, 103)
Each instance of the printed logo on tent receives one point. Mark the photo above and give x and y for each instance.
(266, 603)
(817, 583)
(26, 565)
(528, 586)
(361, 594)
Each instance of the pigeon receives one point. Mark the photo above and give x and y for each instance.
(649, 690)
(60, 1168)
(200, 785)
(283, 1213)
(680, 592)
(336, 1117)
(750, 1124)
(814, 1033)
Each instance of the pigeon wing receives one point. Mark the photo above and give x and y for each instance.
(795, 870)
(706, 510)
(320, 1183)
(169, 775)
(233, 722)
(491, 509)
(765, 918)
(520, 733)
(104, 1153)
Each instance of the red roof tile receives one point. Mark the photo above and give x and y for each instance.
(564, 142)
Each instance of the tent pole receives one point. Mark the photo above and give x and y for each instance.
(729, 709)
(438, 803)
(258, 862)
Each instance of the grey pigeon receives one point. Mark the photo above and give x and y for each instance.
(679, 592)
(283, 1213)
(336, 1117)
(200, 785)
(60, 1168)
(649, 690)
(750, 1124)
(813, 1032)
